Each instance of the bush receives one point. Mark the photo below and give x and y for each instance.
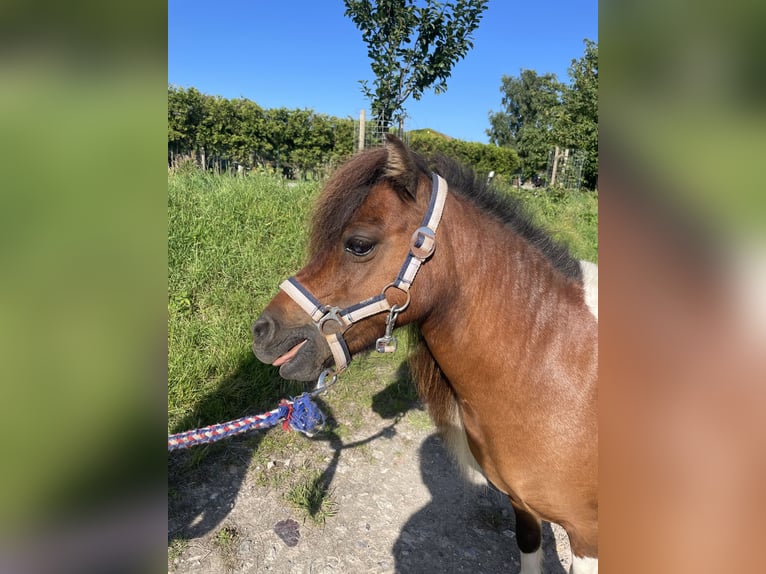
(484, 158)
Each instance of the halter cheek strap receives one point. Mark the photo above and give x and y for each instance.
(332, 322)
(423, 241)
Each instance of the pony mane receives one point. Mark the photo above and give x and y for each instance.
(342, 195)
(349, 186)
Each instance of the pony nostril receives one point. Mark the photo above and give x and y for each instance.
(263, 328)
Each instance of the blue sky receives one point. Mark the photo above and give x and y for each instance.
(306, 54)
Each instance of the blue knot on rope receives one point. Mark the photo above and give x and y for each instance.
(305, 415)
(300, 414)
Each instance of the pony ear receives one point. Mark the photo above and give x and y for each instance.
(400, 166)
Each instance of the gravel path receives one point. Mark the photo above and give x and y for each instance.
(400, 507)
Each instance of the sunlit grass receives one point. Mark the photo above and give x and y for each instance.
(569, 216)
(313, 499)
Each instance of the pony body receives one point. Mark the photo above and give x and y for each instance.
(507, 355)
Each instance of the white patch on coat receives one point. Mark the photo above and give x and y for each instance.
(590, 283)
(584, 565)
(457, 443)
(532, 563)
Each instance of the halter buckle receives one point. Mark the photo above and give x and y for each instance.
(386, 344)
(423, 243)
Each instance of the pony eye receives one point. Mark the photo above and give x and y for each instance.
(359, 246)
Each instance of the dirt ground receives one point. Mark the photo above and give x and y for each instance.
(399, 502)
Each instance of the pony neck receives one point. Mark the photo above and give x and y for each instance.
(488, 283)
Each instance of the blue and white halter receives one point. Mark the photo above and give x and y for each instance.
(422, 245)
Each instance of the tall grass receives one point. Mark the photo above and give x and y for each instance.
(231, 241)
(569, 216)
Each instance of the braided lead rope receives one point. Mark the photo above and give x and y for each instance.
(301, 414)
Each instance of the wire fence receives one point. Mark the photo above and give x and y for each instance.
(565, 168)
(374, 132)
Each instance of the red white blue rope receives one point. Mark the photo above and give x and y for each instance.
(300, 414)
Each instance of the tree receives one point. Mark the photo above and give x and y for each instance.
(412, 47)
(541, 113)
(578, 125)
(186, 109)
(532, 110)
(218, 133)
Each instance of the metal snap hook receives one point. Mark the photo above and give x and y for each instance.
(321, 385)
(387, 343)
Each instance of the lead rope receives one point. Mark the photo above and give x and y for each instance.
(300, 414)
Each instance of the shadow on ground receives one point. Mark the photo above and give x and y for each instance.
(204, 481)
(461, 529)
(468, 529)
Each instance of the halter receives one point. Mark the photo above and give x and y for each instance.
(333, 322)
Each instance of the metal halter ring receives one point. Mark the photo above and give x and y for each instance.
(330, 315)
(406, 303)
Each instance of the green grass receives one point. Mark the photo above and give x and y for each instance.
(569, 216)
(226, 542)
(176, 547)
(231, 241)
(312, 497)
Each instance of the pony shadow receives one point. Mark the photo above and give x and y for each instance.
(464, 528)
(390, 403)
(203, 481)
(397, 398)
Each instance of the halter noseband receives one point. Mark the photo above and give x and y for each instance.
(422, 245)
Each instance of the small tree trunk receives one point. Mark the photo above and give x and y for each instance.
(555, 166)
(360, 147)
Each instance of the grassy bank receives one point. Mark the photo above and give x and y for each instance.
(231, 241)
(571, 217)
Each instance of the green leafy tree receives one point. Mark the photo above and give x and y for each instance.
(412, 47)
(541, 113)
(533, 106)
(249, 134)
(578, 124)
(186, 110)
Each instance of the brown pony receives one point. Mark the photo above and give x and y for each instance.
(507, 323)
